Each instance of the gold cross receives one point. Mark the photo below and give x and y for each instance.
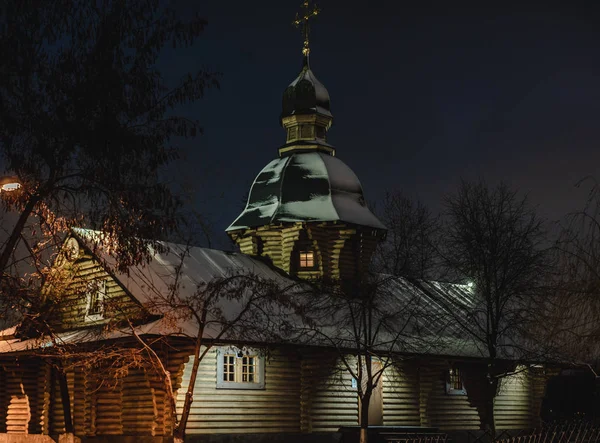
(308, 13)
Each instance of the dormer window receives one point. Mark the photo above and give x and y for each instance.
(307, 260)
(95, 295)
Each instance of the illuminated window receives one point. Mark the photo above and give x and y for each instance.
(239, 369)
(307, 259)
(454, 382)
(95, 295)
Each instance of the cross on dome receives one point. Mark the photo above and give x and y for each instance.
(303, 21)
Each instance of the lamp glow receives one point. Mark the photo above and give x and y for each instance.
(9, 183)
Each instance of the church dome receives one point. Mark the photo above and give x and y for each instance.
(303, 187)
(306, 95)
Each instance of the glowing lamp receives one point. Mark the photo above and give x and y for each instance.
(9, 183)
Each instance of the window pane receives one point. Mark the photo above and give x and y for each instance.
(306, 259)
(228, 368)
(455, 379)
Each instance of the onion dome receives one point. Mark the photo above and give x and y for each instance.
(306, 95)
(306, 187)
(306, 114)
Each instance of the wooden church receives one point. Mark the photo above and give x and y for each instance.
(306, 218)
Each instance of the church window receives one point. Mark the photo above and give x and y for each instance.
(454, 382)
(95, 295)
(307, 260)
(239, 369)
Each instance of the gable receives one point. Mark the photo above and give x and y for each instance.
(83, 293)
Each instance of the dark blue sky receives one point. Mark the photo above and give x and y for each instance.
(421, 96)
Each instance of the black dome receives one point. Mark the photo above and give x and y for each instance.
(306, 95)
(303, 187)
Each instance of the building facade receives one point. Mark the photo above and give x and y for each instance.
(306, 217)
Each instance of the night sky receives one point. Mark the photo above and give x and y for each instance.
(421, 96)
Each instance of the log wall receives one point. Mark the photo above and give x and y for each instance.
(342, 250)
(513, 404)
(70, 311)
(401, 396)
(304, 391)
(133, 405)
(328, 399)
(273, 409)
(24, 396)
(437, 409)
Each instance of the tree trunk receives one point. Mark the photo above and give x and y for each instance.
(364, 417)
(66, 401)
(179, 432)
(489, 423)
(11, 243)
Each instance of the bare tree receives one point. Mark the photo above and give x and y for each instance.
(494, 240)
(241, 307)
(409, 249)
(573, 312)
(87, 121)
(208, 313)
(370, 323)
(87, 125)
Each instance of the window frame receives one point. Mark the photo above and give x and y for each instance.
(450, 389)
(314, 260)
(97, 287)
(238, 358)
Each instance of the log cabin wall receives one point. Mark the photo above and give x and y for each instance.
(513, 407)
(328, 398)
(24, 396)
(305, 390)
(438, 409)
(72, 302)
(401, 395)
(516, 406)
(341, 250)
(133, 405)
(276, 408)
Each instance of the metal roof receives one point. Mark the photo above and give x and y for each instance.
(304, 187)
(429, 335)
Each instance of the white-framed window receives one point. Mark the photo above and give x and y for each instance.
(454, 382)
(95, 295)
(240, 368)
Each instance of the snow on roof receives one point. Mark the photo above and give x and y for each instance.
(306, 186)
(202, 265)
(197, 266)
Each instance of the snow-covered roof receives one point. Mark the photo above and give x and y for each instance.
(201, 265)
(306, 186)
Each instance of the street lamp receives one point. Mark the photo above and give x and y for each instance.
(9, 183)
